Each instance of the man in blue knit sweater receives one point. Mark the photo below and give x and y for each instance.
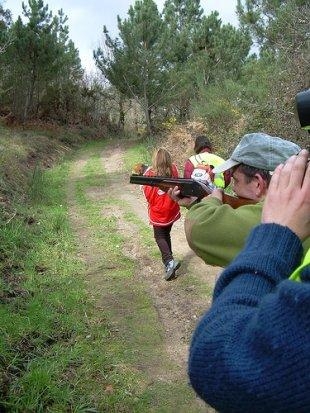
(251, 351)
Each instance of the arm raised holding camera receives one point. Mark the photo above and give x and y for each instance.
(252, 347)
(288, 199)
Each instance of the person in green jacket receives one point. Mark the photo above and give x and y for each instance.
(215, 231)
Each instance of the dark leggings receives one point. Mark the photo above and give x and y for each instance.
(163, 240)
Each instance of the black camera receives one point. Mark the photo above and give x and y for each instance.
(303, 108)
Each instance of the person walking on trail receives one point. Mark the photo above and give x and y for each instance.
(215, 231)
(200, 165)
(250, 352)
(162, 210)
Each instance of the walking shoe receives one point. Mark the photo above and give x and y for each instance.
(171, 268)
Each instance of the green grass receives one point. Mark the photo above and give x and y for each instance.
(72, 336)
(139, 153)
(43, 298)
(131, 391)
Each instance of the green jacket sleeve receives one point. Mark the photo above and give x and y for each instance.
(216, 232)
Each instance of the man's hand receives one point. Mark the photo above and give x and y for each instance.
(288, 199)
(174, 194)
(217, 193)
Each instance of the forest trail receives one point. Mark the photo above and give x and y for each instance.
(179, 303)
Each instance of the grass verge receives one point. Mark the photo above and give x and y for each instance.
(77, 334)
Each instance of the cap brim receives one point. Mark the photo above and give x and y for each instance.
(225, 166)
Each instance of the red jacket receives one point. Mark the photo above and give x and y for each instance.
(162, 209)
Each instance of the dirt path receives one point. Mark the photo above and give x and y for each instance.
(179, 303)
(176, 307)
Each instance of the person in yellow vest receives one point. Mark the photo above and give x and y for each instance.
(200, 165)
(251, 350)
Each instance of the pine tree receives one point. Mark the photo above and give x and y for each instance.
(39, 56)
(182, 20)
(5, 22)
(281, 30)
(276, 24)
(202, 50)
(133, 62)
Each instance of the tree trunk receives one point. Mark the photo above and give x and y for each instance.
(121, 119)
(148, 114)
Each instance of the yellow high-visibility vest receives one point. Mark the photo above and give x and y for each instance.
(295, 276)
(207, 158)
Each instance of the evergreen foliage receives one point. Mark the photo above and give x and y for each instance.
(281, 29)
(5, 21)
(133, 63)
(172, 66)
(162, 61)
(39, 55)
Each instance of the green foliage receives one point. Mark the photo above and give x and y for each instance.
(271, 83)
(276, 24)
(261, 96)
(5, 22)
(39, 54)
(162, 61)
(36, 302)
(138, 154)
(219, 107)
(182, 20)
(133, 63)
(160, 67)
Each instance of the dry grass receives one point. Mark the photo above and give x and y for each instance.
(179, 140)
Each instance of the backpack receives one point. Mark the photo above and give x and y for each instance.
(203, 168)
(203, 172)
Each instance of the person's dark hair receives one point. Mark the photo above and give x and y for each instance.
(202, 142)
(250, 172)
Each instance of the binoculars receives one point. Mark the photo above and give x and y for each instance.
(303, 108)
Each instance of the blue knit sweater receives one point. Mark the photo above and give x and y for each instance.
(251, 351)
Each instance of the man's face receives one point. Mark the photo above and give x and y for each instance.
(241, 185)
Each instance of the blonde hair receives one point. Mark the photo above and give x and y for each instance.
(162, 163)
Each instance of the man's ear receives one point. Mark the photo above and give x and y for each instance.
(227, 177)
(261, 185)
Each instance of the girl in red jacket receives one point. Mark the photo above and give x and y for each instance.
(162, 210)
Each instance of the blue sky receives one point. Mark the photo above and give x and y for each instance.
(87, 18)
